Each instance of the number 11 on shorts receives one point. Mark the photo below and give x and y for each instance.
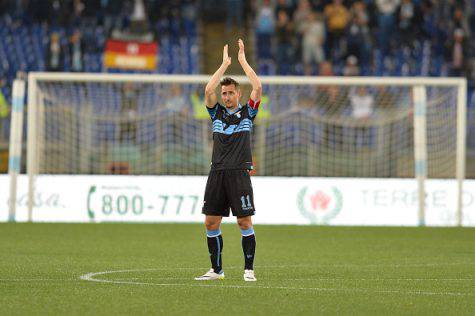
(243, 201)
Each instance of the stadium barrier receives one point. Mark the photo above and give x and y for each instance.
(279, 200)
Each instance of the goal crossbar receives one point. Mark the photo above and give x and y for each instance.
(291, 80)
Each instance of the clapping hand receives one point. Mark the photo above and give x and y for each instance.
(226, 58)
(241, 54)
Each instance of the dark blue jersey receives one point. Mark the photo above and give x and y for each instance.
(232, 136)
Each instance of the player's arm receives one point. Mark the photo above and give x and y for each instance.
(250, 73)
(210, 91)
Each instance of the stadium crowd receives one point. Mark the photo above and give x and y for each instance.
(70, 35)
(178, 14)
(366, 37)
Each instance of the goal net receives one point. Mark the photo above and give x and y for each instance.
(161, 126)
(334, 127)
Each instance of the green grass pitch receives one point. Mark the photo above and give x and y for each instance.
(149, 269)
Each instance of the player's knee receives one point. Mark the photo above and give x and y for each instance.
(212, 224)
(244, 222)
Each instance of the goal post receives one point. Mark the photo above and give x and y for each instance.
(15, 146)
(368, 127)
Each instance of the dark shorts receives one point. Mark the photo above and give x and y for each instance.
(229, 189)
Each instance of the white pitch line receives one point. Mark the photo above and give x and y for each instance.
(376, 279)
(378, 265)
(91, 277)
(305, 279)
(39, 280)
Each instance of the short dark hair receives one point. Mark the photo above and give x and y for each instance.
(229, 81)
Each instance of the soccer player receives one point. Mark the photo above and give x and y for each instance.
(229, 183)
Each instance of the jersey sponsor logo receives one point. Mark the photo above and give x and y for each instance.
(319, 205)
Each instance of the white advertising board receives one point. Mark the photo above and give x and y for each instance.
(326, 201)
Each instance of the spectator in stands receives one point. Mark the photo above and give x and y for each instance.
(59, 13)
(112, 14)
(327, 93)
(264, 109)
(177, 102)
(304, 105)
(55, 54)
(301, 14)
(327, 101)
(128, 110)
(265, 29)
(335, 96)
(428, 23)
(313, 32)
(4, 107)
(285, 45)
(138, 18)
(459, 21)
(351, 66)
(284, 5)
(359, 36)
(176, 109)
(362, 106)
(197, 101)
(188, 14)
(300, 19)
(386, 22)
(409, 22)
(78, 9)
(337, 20)
(457, 54)
(326, 69)
(174, 25)
(76, 52)
(359, 11)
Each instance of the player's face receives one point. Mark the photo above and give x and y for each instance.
(230, 96)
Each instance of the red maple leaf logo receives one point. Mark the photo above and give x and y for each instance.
(320, 200)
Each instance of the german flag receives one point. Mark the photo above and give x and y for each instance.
(130, 55)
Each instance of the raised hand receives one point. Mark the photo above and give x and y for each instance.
(250, 73)
(241, 54)
(226, 58)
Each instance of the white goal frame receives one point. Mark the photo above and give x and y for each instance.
(418, 84)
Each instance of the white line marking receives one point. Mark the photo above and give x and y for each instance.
(32, 280)
(376, 279)
(303, 279)
(91, 277)
(377, 265)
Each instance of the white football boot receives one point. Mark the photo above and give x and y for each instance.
(211, 275)
(249, 276)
